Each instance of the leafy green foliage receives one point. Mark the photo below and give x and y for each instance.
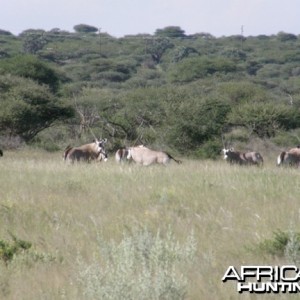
(264, 119)
(287, 139)
(279, 243)
(28, 108)
(197, 122)
(209, 149)
(156, 47)
(83, 28)
(34, 42)
(8, 250)
(284, 37)
(30, 67)
(199, 67)
(171, 32)
(241, 91)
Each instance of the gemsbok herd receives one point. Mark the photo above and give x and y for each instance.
(144, 156)
(96, 151)
(289, 158)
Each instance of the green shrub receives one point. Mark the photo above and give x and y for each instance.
(29, 66)
(287, 139)
(237, 134)
(83, 28)
(111, 76)
(282, 244)
(9, 249)
(264, 119)
(141, 266)
(210, 150)
(193, 68)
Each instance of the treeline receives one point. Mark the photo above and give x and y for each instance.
(169, 89)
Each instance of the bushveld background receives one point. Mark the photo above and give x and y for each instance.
(111, 231)
(170, 90)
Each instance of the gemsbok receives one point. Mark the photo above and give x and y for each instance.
(121, 155)
(85, 152)
(290, 157)
(242, 158)
(146, 157)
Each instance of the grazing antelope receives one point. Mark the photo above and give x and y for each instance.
(247, 158)
(85, 152)
(145, 156)
(290, 157)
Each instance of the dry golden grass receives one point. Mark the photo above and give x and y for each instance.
(63, 209)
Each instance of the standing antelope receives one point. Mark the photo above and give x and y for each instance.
(247, 158)
(85, 152)
(290, 157)
(121, 155)
(145, 156)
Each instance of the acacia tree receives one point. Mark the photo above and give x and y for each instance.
(33, 40)
(171, 32)
(135, 115)
(156, 47)
(264, 119)
(29, 66)
(27, 108)
(83, 28)
(196, 121)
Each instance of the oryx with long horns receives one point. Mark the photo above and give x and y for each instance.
(86, 152)
(145, 156)
(242, 158)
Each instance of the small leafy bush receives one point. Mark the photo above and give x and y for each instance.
(282, 244)
(287, 139)
(9, 249)
(210, 150)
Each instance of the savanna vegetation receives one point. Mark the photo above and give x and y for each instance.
(108, 231)
(170, 90)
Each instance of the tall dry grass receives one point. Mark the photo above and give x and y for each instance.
(71, 214)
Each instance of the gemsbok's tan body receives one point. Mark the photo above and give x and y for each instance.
(290, 157)
(85, 152)
(242, 158)
(145, 156)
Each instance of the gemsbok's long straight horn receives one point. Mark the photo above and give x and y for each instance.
(223, 143)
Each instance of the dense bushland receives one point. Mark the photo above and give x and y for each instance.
(168, 90)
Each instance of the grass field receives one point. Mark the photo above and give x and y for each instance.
(111, 231)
